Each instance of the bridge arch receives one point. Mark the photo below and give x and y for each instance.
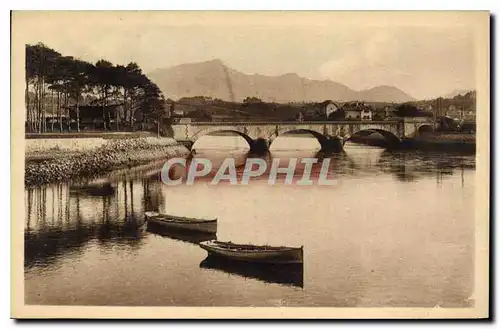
(425, 128)
(235, 131)
(322, 139)
(391, 139)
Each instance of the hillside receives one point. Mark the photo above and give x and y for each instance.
(456, 92)
(460, 106)
(216, 80)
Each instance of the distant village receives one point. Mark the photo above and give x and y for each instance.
(453, 114)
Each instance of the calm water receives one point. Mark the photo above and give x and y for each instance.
(397, 229)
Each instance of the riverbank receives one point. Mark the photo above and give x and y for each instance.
(426, 142)
(51, 164)
(442, 142)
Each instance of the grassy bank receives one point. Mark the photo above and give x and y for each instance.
(114, 154)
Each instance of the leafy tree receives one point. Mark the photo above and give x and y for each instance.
(72, 82)
(252, 100)
(102, 78)
(200, 114)
(40, 61)
(409, 110)
(337, 115)
(79, 79)
(59, 79)
(153, 105)
(132, 82)
(377, 116)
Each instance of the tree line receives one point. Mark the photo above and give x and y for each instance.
(57, 86)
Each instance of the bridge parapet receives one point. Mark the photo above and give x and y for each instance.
(399, 129)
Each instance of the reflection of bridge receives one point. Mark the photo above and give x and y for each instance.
(263, 133)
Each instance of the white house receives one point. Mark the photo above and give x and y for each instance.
(178, 112)
(366, 113)
(358, 111)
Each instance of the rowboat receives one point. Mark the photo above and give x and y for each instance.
(283, 274)
(182, 223)
(179, 234)
(252, 253)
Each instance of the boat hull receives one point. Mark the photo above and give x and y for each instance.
(208, 226)
(190, 236)
(287, 256)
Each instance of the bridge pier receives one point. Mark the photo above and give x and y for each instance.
(259, 145)
(334, 144)
(331, 143)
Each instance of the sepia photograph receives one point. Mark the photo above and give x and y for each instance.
(258, 164)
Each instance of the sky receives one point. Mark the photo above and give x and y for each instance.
(425, 56)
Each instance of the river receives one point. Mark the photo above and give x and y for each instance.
(395, 230)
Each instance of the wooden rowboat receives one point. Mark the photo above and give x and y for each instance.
(252, 253)
(193, 237)
(283, 274)
(182, 223)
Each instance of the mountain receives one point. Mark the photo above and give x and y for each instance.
(214, 79)
(456, 92)
(384, 94)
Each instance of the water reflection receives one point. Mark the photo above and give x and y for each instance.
(181, 235)
(284, 274)
(357, 255)
(411, 166)
(105, 189)
(62, 218)
(354, 160)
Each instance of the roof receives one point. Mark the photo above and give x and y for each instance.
(325, 103)
(356, 106)
(358, 109)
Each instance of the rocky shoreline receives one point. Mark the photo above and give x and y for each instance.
(113, 155)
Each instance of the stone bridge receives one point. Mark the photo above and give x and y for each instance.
(263, 133)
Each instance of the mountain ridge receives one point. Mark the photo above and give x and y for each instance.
(456, 92)
(214, 79)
